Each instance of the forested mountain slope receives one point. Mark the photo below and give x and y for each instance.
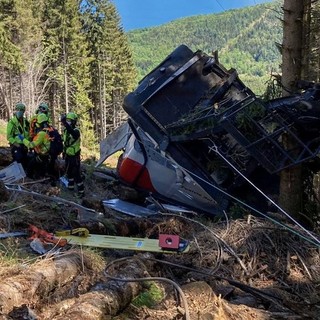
(245, 39)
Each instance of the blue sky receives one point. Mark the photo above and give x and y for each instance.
(137, 14)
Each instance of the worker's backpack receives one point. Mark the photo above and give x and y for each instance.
(32, 128)
(56, 144)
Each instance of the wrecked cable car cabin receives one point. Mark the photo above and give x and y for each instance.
(196, 135)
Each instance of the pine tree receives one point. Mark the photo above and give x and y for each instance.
(33, 85)
(312, 40)
(291, 179)
(22, 51)
(9, 35)
(112, 68)
(311, 72)
(68, 62)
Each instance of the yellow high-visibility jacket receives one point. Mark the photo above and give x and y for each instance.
(16, 127)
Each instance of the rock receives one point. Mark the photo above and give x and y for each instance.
(22, 312)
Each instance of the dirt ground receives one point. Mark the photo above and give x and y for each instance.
(247, 268)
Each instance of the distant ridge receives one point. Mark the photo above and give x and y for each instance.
(245, 39)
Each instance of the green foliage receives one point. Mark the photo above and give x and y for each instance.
(11, 253)
(245, 39)
(273, 89)
(8, 253)
(244, 117)
(10, 52)
(112, 68)
(88, 137)
(150, 297)
(67, 57)
(76, 56)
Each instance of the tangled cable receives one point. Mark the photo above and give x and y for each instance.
(183, 298)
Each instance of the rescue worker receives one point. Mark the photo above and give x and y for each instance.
(42, 108)
(42, 162)
(18, 125)
(72, 151)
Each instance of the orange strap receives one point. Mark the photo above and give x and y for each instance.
(45, 236)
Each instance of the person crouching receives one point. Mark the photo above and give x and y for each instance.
(41, 163)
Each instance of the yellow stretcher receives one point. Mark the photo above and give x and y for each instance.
(165, 243)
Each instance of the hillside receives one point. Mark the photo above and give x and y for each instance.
(245, 39)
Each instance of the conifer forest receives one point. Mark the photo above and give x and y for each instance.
(178, 139)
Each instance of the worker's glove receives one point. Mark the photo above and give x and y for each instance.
(20, 136)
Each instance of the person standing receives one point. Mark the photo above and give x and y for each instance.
(72, 152)
(42, 108)
(18, 126)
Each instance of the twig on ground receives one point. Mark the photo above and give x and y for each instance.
(93, 213)
(304, 265)
(216, 237)
(13, 209)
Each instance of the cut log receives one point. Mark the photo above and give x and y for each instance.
(105, 299)
(40, 279)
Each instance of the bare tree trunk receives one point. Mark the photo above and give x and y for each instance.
(104, 104)
(66, 89)
(318, 69)
(20, 86)
(114, 112)
(102, 124)
(306, 46)
(291, 179)
(292, 44)
(65, 75)
(54, 106)
(10, 92)
(5, 101)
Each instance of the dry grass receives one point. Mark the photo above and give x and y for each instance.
(3, 138)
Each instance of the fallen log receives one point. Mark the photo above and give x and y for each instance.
(35, 282)
(105, 299)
